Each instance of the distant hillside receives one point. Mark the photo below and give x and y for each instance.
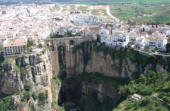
(87, 1)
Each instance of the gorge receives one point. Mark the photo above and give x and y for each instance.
(76, 74)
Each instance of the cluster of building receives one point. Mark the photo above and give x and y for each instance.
(141, 37)
(31, 22)
(86, 20)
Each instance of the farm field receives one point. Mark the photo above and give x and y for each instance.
(142, 13)
(133, 13)
(96, 2)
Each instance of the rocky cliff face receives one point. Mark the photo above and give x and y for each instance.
(113, 62)
(33, 85)
(29, 78)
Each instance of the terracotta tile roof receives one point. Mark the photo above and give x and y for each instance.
(155, 38)
(14, 42)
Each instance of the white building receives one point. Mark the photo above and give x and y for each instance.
(140, 42)
(133, 37)
(117, 39)
(156, 42)
(104, 31)
(14, 46)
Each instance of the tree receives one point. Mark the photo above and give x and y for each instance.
(40, 45)
(71, 42)
(34, 96)
(98, 38)
(28, 45)
(27, 87)
(27, 95)
(168, 47)
(1, 47)
(143, 29)
(150, 32)
(146, 48)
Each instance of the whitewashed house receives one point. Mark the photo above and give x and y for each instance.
(106, 39)
(74, 30)
(168, 32)
(140, 42)
(117, 39)
(156, 42)
(60, 31)
(120, 39)
(104, 31)
(132, 37)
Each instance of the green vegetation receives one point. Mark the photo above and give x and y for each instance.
(27, 87)
(62, 66)
(155, 88)
(59, 108)
(117, 53)
(42, 97)
(98, 78)
(55, 85)
(40, 45)
(1, 59)
(29, 45)
(8, 61)
(34, 96)
(99, 12)
(5, 101)
(1, 47)
(142, 13)
(56, 78)
(168, 47)
(83, 8)
(97, 2)
(26, 96)
(122, 53)
(72, 7)
(66, 34)
(16, 68)
(57, 7)
(65, 7)
(89, 101)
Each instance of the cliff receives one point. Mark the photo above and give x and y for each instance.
(27, 81)
(101, 65)
(112, 62)
(86, 77)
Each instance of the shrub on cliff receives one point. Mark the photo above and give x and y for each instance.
(1, 47)
(153, 87)
(34, 96)
(42, 97)
(26, 95)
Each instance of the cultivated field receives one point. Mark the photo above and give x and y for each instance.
(135, 13)
(142, 13)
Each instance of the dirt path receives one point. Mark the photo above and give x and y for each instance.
(110, 15)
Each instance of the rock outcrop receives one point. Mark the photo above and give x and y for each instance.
(24, 76)
(33, 79)
(113, 62)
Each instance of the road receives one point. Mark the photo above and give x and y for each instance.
(110, 15)
(149, 53)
